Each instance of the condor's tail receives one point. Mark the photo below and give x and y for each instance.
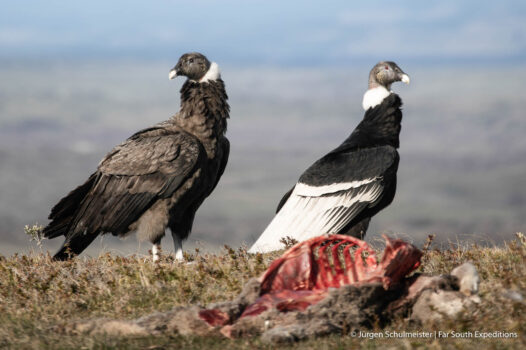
(62, 215)
(74, 246)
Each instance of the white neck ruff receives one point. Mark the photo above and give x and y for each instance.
(373, 97)
(213, 73)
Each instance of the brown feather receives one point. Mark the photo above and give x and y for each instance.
(156, 178)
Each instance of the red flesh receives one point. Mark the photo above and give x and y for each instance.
(302, 275)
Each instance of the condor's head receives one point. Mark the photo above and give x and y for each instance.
(195, 67)
(381, 77)
(385, 73)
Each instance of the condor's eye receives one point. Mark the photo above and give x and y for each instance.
(191, 60)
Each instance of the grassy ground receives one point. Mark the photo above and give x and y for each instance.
(37, 294)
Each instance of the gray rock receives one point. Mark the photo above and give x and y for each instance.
(435, 306)
(468, 278)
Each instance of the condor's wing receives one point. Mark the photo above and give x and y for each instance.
(149, 166)
(329, 195)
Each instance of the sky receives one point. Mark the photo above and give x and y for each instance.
(267, 32)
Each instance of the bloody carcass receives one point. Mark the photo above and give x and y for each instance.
(304, 274)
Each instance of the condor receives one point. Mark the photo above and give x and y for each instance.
(340, 192)
(155, 181)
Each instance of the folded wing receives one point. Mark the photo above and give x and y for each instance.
(329, 194)
(147, 167)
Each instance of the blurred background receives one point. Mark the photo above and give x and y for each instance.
(78, 78)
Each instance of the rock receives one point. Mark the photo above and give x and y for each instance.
(413, 287)
(446, 296)
(468, 278)
(434, 306)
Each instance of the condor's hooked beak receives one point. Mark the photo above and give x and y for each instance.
(173, 73)
(405, 78)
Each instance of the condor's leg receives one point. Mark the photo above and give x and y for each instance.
(181, 230)
(156, 251)
(178, 246)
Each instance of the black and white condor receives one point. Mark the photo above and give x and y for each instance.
(340, 192)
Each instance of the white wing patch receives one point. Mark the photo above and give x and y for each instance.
(374, 97)
(302, 189)
(213, 73)
(303, 217)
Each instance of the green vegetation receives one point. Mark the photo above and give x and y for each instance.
(38, 296)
